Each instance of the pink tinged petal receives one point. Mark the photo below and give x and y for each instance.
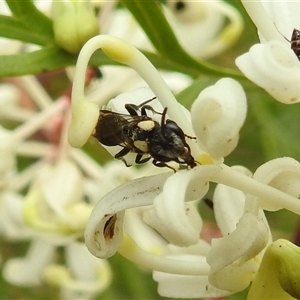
(282, 174)
(186, 286)
(217, 116)
(180, 223)
(104, 233)
(248, 240)
(274, 67)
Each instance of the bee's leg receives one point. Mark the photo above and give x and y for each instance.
(190, 137)
(148, 107)
(139, 160)
(162, 165)
(133, 109)
(122, 153)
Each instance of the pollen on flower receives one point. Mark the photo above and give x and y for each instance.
(117, 50)
(205, 159)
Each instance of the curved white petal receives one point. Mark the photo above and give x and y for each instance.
(274, 67)
(281, 173)
(177, 222)
(228, 207)
(103, 234)
(235, 277)
(229, 204)
(186, 286)
(284, 14)
(217, 116)
(195, 25)
(248, 240)
(145, 236)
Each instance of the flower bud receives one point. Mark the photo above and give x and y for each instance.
(74, 23)
(278, 276)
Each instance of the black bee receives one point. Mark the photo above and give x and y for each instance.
(295, 42)
(144, 136)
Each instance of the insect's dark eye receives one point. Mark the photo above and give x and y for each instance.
(171, 125)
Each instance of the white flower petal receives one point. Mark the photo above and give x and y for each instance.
(83, 265)
(281, 173)
(28, 271)
(228, 207)
(61, 185)
(147, 238)
(103, 234)
(201, 248)
(176, 221)
(274, 67)
(229, 204)
(243, 244)
(235, 277)
(186, 286)
(195, 25)
(217, 116)
(284, 14)
(12, 225)
(74, 288)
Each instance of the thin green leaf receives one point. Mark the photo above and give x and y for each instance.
(277, 129)
(47, 59)
(189, 95)
(150, 16)
(26, 12)
(13, 29)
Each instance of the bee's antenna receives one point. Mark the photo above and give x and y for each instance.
(282, 34)
(163, 120)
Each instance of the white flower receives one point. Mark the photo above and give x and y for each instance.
(62, 185)
(28, 271)
(74, 22)
(166, 194)
(83, 277)
(199, 26)
(273, 65)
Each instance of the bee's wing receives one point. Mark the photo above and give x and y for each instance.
(109, 130)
